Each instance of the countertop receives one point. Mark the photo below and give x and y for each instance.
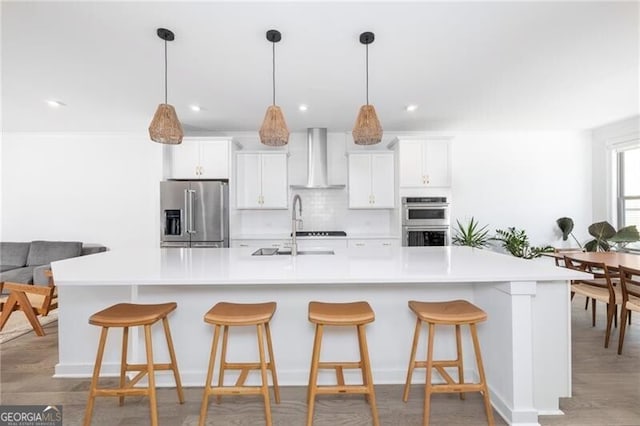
(287, 236)
(383, 265)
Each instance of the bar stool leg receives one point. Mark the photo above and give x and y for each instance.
(123, 362)
(428, 385)
(96, 375)
(365, 379)
(223, 360)
(272, 365)
(366, 367)
(207, 385)
(485, 388)
(263, 373)
(174, 361)
(459, 359)
(412, 360)
(153, 401)
(313, 374)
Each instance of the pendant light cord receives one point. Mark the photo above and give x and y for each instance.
(273, 56)
(367, 46)
(165, 71)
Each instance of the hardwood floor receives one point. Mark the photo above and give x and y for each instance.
(606, 391)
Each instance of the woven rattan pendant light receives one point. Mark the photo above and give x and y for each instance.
(165, 126)
(274, 130)
(367, 130)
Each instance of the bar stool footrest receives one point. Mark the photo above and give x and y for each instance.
(456, 388)
(235, 390)
(120, 392)
(328, 389)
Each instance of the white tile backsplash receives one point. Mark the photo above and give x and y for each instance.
(322, 210)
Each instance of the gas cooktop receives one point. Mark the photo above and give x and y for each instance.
(321, 234)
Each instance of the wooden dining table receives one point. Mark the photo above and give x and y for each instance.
(612, 259)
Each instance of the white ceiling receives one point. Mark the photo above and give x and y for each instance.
(468, 65)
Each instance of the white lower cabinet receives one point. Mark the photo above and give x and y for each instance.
(261, 243)
(382, 242)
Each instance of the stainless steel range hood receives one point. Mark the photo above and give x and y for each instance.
(317, 177)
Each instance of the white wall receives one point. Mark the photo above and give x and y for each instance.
(604, 140)
(526, 180)
(90, 188)
(104, 188)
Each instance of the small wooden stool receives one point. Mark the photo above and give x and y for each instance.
(456, 312)
(132, 315)
(341, 314)
(226, 314)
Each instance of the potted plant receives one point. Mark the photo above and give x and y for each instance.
(566, 226)
(471, 234)
(605, 236)
(516, 242)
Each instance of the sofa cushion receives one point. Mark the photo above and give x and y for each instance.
(14, 254)
(7, 267)
(19, 275)
(43, 252)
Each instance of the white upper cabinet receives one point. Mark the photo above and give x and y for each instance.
(371, 181)
(261, 180)
(200, 158)
(425, 163)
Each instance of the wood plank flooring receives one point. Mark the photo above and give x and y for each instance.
(606, 389)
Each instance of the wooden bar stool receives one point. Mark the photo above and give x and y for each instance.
(132, 315)
(456, 312)
(226, 314)
(341, 314)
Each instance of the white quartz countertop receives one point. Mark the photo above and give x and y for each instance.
(336, 237)
(384, 265)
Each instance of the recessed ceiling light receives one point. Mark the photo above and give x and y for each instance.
(195, 108)
(55, 104)
(411, 108)
(303, 107)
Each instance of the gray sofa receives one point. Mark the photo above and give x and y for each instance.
(26, 262)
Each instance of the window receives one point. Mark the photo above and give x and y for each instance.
(629, 189)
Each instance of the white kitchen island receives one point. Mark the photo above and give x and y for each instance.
(526, 342)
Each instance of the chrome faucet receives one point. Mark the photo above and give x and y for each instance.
(294, 222)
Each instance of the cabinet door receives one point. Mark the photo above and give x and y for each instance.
(436, 163)
(184, 160)
(214, 160)
(382, 181)
(411, 159)
(360, 181)
(274, 181)
(248, 182)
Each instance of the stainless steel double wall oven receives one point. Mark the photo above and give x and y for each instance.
(425, 221)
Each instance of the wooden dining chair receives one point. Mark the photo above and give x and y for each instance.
(560, 262)
(601, 288)
(630, 286)
(33, 300)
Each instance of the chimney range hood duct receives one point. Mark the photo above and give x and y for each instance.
(317, 177)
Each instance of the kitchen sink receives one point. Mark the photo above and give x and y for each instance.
(275, 251)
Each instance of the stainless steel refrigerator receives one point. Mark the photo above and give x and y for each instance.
(194, 214)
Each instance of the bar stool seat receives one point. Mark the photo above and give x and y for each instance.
(356, 314)
(224, 315)
(457, 313)
(353, 313)
(127, 315)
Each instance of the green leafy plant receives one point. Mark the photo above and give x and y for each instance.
(566, 226)
(516, 242)
(605, 236)
(471, 234)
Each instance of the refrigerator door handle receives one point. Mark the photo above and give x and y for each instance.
(190, 193)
